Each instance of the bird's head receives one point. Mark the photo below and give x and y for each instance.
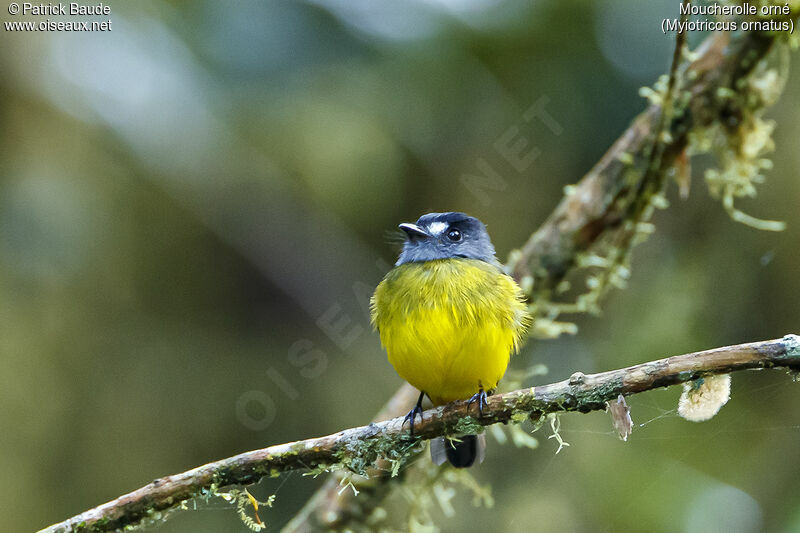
(446, 236)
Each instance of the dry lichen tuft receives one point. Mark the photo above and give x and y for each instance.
(703, 398)
(741, 143)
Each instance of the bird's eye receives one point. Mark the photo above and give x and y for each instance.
(454, 235)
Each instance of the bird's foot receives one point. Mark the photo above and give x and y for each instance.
(412, 414)
(479, 397)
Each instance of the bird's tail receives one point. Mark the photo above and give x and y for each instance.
(461, 453)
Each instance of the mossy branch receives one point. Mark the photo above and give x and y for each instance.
(712, 92)
(358, 448)
(601, 203)
(713, 88)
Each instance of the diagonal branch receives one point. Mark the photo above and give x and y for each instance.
(602, 201)
(366, 444)
(599, 205)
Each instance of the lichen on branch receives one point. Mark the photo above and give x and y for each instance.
(721, 93)
(718, 104)
(576, 256)
(357, 448)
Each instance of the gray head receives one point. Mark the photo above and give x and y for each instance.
(446, 236)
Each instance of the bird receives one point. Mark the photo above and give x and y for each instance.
(449, 318)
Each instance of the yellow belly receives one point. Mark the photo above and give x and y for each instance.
(449, 326)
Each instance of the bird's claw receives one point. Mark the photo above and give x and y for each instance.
(479, 397)
(412, 414)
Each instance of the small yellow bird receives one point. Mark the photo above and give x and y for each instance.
(450, 319)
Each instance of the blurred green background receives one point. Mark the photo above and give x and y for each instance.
(191, 201)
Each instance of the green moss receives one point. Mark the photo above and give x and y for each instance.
(296, 449)
(466, 426)
(358, 454)
(518, 417)
(321, 469)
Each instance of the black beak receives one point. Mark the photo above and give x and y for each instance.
(412, 230)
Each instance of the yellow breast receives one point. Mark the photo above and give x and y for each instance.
(449, 326)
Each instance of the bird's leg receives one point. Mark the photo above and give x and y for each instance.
(412, 414)
(479, 397)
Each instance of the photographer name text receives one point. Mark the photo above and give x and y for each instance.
(71, 9)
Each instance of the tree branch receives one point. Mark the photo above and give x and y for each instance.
(599, 205)
(364, 445)
(602, 200)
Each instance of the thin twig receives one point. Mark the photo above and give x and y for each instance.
(580, 392)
